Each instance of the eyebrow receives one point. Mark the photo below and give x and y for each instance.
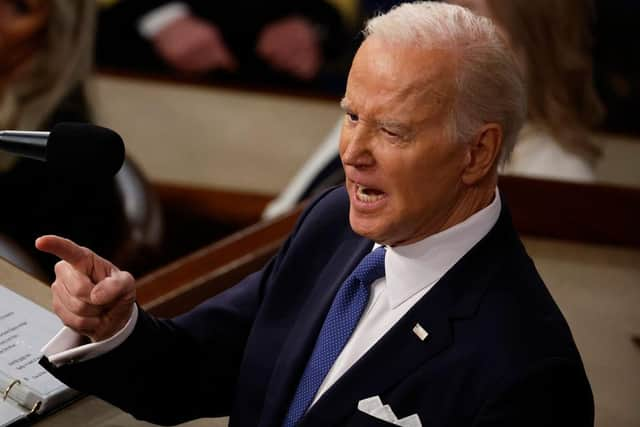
(399, 126)
(344, 104)
(392, 124)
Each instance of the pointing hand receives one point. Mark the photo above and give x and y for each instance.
(90, 295)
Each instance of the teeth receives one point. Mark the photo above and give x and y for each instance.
(367, 198)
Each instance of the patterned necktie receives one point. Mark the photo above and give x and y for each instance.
(346, 309)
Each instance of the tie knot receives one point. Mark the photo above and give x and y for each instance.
(371, 267)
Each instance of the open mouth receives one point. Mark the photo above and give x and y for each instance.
(368, 194)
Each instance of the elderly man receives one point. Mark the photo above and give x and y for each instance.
(406, 298)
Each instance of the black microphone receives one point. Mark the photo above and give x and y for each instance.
(69, 148)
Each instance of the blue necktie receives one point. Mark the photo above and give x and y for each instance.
(346, 309)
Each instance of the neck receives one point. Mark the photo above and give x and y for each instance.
(472, 200)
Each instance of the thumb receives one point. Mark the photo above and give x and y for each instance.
(118, 286)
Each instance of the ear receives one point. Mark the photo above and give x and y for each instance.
(483, 154)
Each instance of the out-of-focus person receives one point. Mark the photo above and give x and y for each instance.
(46, 57)
(552, 43)
(256, 40)
(616, 68)
(46, 49)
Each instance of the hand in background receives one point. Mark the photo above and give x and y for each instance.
(90, 295)
(190, 44)
(291, 45)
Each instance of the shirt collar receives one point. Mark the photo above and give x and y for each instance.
(411, 268)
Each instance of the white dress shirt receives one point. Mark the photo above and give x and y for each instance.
(410, 272)
(157, 19)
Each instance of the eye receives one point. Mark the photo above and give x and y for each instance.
(20, 7)
(352, 117)
(390, 133)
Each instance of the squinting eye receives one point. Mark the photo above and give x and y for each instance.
(352, 117)
(390, 133)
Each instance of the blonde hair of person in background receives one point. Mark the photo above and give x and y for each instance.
(552, 41)
(60, 59)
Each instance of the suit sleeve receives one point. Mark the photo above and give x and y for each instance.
(166, 374)
(555, 393)
(173, 370)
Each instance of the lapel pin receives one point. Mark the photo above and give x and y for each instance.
(420, 332)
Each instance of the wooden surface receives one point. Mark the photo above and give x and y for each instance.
(231, 207)
(184, 283)
(571, 211)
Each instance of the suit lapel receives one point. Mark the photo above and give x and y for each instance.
(392, 358)
(303, 334)
(400, 351)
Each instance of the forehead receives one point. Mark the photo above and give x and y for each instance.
(402, 78)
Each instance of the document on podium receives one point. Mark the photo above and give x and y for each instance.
(26, 388)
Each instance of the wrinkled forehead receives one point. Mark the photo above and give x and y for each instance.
(403, 73)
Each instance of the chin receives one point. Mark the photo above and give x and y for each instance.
(369, 227)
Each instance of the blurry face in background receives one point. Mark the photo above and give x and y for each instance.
(22, 26)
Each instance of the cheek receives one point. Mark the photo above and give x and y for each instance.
(420, 180)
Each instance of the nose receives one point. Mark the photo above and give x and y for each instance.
(355, 145)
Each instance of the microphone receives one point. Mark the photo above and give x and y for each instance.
(70, 148)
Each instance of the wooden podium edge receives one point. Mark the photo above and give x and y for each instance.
(187, 281)
(587, 213)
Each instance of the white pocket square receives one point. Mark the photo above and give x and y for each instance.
(374, 407)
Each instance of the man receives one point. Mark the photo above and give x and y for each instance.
(460, 331)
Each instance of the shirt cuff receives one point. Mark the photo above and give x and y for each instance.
(68, 346)
(153, 22)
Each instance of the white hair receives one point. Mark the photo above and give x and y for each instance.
(489, 86)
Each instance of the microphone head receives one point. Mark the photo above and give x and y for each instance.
(85, 149)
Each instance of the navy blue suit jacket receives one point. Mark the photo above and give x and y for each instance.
(499, 352)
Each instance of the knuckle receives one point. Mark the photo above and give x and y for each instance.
(59, 267)
(79, 307)
(127, 279)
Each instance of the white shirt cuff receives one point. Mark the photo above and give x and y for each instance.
(68, 346)
(153, 22)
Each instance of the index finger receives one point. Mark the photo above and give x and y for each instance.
(63, 248)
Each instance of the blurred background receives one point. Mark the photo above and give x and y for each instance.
(230, 115)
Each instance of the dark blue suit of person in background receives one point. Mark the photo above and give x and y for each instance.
(433, 101)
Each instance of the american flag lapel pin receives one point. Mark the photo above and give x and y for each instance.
(420, 332)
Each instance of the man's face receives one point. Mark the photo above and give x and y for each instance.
(402, 167)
